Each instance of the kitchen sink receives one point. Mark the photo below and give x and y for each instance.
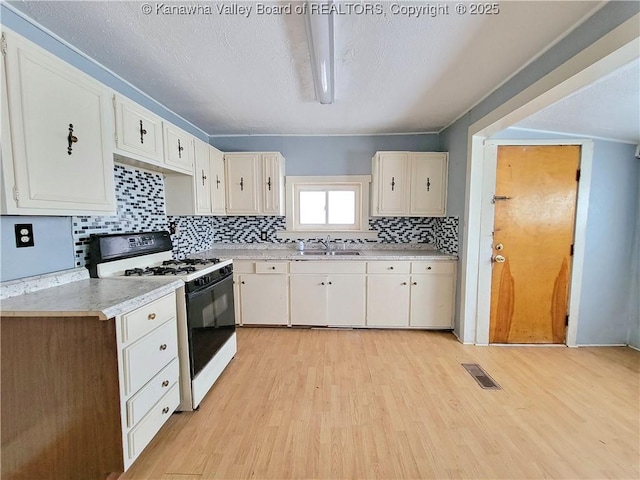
(323, 253)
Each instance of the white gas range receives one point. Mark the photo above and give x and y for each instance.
(205, 314)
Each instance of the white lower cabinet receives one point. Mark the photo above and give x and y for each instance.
(377, 294)
(148, 371)
(388, 300)
(411, 294)
(326, 293)
(261, 293)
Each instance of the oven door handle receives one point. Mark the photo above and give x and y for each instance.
(200, 291)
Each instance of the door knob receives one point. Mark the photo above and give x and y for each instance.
(499, 259)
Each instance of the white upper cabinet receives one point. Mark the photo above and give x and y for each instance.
(59, 159)
(138, 131)
(410, 184)
(254, 183)
(203, 192)
(216, 182)
(178, 148)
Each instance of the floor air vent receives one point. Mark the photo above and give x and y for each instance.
(480, 376)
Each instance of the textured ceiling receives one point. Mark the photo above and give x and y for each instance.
(229, 74)
(608, 108)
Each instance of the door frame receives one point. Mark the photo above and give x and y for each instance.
(610, 52)
(486, 233)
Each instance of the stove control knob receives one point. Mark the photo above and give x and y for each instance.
(225, 270)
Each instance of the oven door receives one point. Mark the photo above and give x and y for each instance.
(210, 320)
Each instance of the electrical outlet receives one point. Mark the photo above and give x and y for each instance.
(263, 235)
(24, 235)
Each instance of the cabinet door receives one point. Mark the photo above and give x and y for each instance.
(392, 184)
(272, 175)
(346, 302)
(242, 184)
(202, 178)
(138, 131)
(388, 300)
(216, 161)
(428, 184)
(178, 148)
(432, 301)
(62, 154)
(264, 299)
(308, 299)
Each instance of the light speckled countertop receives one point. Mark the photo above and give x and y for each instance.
(268, 251)
(102, 298)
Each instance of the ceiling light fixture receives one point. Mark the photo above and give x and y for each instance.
(319, 22)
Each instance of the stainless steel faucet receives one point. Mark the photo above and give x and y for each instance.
(326, 243)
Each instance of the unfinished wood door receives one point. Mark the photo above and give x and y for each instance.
(536, 190)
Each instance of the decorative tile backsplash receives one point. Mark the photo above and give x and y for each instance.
(140, 207)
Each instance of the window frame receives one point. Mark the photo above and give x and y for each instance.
(360, 184)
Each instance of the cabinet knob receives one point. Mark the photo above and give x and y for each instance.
(403, 283)
(428, 268)
(329, 283)
(273, 268)
(414, 283)
(71, 139)
(143, 132)
(165, 410)
(242, 282)
(321, 283)
(165, 383)
(163, 346)
(151, 316)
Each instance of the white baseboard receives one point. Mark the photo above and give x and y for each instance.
(634, 347)
(602, 345)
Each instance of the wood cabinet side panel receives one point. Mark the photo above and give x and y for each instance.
(60, 401)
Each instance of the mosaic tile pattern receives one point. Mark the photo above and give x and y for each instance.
(140, 207)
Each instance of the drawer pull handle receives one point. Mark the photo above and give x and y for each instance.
(165, 383)
(428, 268)
(390, 268)
(163, 346)
(152, 316)
(71, 139)
(273, 268)
(165, 410)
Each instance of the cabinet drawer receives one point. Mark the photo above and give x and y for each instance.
(433, 267)
(271, 267)
(141, 435)
(141, 402)
(327, 266)
(388, 267)
(141, 321)
(145, 358)
(243, 266)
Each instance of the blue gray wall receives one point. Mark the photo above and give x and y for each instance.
(32, 32)
(328, 155)
(454, 139)
(53, 249)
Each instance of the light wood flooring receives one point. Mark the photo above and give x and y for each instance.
(366, 404)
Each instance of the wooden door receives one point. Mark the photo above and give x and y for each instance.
(533, 233)
(242, 184)
(428, 184)
(392, 183)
